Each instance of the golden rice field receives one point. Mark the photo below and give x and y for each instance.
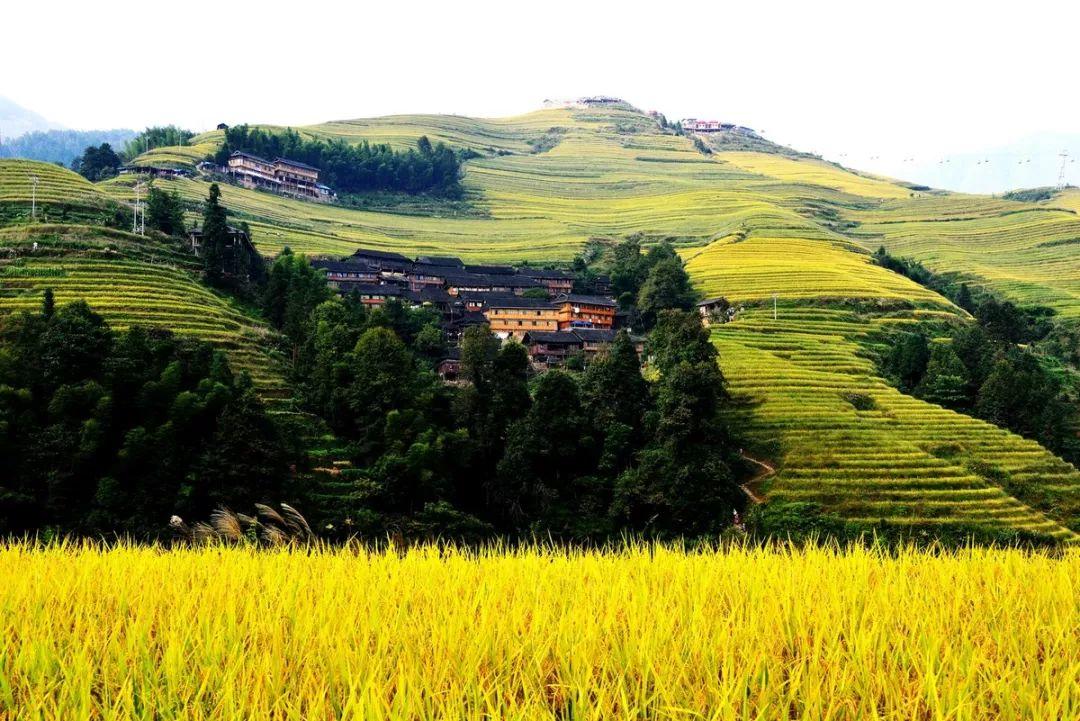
(646, 632)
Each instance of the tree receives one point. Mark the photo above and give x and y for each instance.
(907, 359)
(48, 304)
(680, 336)
(165, 212)
(544, 455)
(98, 163)
(215, 235)
(616, 398)
(946, 380)
(666, 287)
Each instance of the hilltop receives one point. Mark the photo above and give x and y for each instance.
(753, 224)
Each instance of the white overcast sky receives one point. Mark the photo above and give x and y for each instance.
(860, 78)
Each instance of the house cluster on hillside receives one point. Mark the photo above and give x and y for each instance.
(694, 125)
(287, 177)
(536, 306)
(588, 101)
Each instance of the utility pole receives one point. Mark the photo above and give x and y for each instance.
(774, 305)
(135, 219)
(1064, 155)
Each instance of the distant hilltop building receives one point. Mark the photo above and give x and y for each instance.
(694, 125)
(589, 101)
(284, 176)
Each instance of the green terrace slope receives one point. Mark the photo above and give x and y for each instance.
(847, 441)
(131, 280)
(60, 195)
(750, 225)
(605, 174)
(1027, 252)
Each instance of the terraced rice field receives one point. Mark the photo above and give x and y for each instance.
(59, 192)
(749, 225)
(131, 281)
(609, 174)
(1027, 252)
(903, 461)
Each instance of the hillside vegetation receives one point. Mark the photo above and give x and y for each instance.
(750, 225)
(131, 280)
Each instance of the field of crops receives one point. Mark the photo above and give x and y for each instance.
(130, 280)
(1027, 252)
(646, 632)
(60, 195)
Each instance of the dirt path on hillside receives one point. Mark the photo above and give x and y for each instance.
(766, 470)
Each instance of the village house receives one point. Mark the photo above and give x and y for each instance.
(449, 366)
(442, 260)
(548, 349)
(288, 177)
(236, 239)
(513, 316)
(338, 271)
(715, 310)
(381, 260)
(556, 281)
(370, 293)
(585, 311)
(425, 275)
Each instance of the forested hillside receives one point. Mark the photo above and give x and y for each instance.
(786, 239)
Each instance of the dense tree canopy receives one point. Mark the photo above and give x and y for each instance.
(105, 431)
(355, 168)
(97, 163)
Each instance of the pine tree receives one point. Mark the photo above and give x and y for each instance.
(946, 380)
(215, 235)
(48, 304)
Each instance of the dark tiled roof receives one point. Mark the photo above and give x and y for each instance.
(340, 266)
(586, 299)
(518, 301)
(444, 260)
(242, 154)
(483, 296)
(429, 295)
(468, 280)
(369, 289)
(595, 335)
(552, 337)
(295, 164)
(490, 269)
(440, 271)
(380, 255)
(546, 274)
(711, 301)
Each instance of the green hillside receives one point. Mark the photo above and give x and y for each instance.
(131, 280)
(750, 225)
